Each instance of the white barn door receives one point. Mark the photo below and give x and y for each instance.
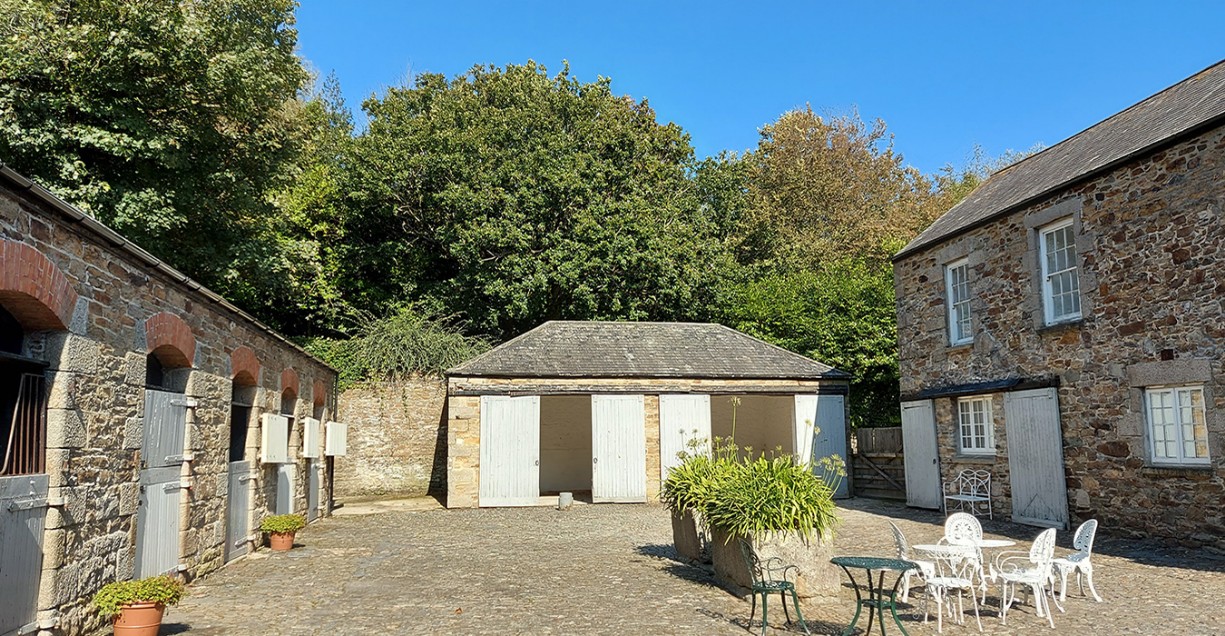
(919, 455)
(618, 448)
(819, 427)
(23, 515)
(1035, 458)
(157, 525)
(684, 426)
(510, 451)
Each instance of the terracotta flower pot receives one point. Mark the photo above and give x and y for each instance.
(139, 619)
(280, 541)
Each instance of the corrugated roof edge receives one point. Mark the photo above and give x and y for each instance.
(1207, 124)
(459, 370)
(116, 240)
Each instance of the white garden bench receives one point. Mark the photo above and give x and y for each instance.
(968, 490)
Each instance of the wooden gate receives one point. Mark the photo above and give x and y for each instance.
(618, 449)
(923, 488)
(23, 513)
(1035, 458)
(238, 511)
(510, 451)
(312, 489)
(684, 427)
(879, 463)
(157, 524)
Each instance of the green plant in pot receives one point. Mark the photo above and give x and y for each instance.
(136, 607)
(281, 530)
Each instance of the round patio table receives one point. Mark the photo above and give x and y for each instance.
(876, 600)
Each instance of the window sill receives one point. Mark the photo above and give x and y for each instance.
(961, 346)
(1174, 469)
(963, 458)
(1059, 327)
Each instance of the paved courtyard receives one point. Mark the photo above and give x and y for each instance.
(408, 568)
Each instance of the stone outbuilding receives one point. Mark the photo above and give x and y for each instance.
(1063, 328)
(601, 409)
(146, 424)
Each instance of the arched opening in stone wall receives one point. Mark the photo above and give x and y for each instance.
(23, 403)
(242, 401)
(286, 479)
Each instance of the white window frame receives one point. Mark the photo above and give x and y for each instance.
(958, 309)
(1073, 268)
(1177, 411)
(966, 417)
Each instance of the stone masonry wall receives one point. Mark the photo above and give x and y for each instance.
(397, 439)
(464, 415)
(96, 385)
(1150, 237)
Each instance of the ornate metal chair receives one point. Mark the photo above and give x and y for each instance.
(1014, 568)
(926, 568)
(770, 576)
(1078, 562)
(954, 572)
(969, 489)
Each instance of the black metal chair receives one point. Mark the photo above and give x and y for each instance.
(770, 576)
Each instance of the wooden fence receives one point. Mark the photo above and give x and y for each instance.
(878, 464)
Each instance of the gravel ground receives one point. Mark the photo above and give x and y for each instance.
(610, 569)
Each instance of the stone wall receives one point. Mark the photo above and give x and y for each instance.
(1150, 237)
(397, 439)
(95, 337)
(464, 415)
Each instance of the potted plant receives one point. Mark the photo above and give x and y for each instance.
(281, 530)
(685, 494)
(136, 607)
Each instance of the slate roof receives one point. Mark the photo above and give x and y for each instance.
(573, 349)
(1188, 105)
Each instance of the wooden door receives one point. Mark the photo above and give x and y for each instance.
(161, 454)
(23, 514)
(684, 427)
(618, 448)
(238, 511)
(312, 489)
(286, 480)
(1035, 458)
(820, 431)
(510, 451)
(920, 456)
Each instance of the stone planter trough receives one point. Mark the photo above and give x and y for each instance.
(818, 580)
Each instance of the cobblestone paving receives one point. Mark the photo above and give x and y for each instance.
(610, 569)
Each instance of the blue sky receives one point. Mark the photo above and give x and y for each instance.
(944, 76)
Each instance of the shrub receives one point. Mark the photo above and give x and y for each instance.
(163, 589)
(282, 523)
(772, 495)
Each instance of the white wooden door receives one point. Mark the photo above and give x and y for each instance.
(157, 522)
(286, 480)
(618, 448)
(510, 451)
(819, 428)
(238, 511)
(312, 489)
(684, 427)
(1035, 458)
(23, 513)
(920, 455)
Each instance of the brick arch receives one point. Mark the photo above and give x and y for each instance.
(244, 366)
(170, 339)
(33, 289)
(289, 382)
(318, 393)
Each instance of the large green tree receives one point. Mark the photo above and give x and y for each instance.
(513, 196)
(170, 120)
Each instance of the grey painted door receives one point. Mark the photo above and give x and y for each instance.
(684, 427)
(923, 488)
(312, 489)
(286, 476)
(1035, 458)
(238, 511)
(618, 448)
(510, 451)
(157, 520)
(23, 513)
(820, 432)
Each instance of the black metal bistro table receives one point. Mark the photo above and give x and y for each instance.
(877, 599)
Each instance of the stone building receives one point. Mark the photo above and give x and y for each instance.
(133, 405)
(1063, 327)
(601, 409)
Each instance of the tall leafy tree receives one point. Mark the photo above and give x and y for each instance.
(514, 197)
(167, 119)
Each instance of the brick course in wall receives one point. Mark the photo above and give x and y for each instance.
(92, 311)
(1150, 237)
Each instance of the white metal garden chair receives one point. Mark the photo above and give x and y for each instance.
(1079, 562)
(953, 572)
(969, 489)
(926, 568)
(963, 529)
(1014, 569)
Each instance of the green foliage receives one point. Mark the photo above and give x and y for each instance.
(166, 590)
(406, 342)
(282, 523)
(513, 197)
